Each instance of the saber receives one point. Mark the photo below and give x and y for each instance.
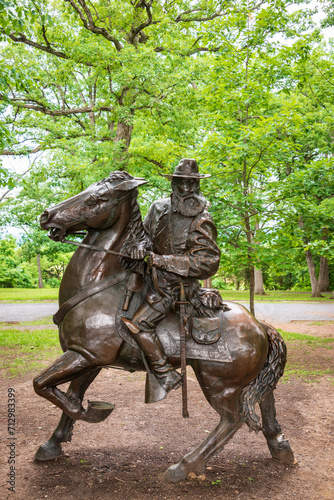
(183, 320)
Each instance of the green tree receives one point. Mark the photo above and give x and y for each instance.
(139, 84)
(13, 272)
(244, 123)
(306, 180)
(78, 74)
(23, 209)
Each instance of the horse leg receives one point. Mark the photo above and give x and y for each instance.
(51, 449)
(226, 401)
(67, 367)
(278, 446)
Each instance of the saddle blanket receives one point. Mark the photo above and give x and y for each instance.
(169, 335)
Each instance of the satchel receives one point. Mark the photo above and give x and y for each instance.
(205, 330)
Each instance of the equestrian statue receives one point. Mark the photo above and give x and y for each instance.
(130, 298)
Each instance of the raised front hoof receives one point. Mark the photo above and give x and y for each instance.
(174, 474)
(48, 451)
(97, 411)
(281, 451)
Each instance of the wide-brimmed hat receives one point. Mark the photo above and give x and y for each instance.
(186, 169)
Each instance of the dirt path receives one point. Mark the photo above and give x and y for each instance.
(267, 311)
(125, 456)
(29, 311)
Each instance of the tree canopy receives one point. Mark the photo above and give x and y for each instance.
(246, 88)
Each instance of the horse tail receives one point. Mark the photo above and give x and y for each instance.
(266, 380)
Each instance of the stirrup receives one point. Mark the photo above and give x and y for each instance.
(169, 380)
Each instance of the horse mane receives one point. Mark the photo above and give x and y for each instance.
(136, 235)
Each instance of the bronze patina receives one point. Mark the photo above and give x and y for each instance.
(118, 311)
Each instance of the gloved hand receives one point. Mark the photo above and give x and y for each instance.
(210, 300)
(138, 253)
(155, 260)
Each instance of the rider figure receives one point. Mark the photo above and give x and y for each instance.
(181, 238)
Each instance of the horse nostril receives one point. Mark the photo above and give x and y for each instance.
(44, 217)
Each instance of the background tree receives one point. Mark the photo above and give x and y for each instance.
(103, 85)
(23, 210)
(13, 272)
(306, 181)
(84, 71)
(243, 126)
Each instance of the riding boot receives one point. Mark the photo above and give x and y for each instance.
(149, 343)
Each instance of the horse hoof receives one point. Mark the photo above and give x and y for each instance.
(282, 452)
(97, 411)
(48, 451)
(174, 474)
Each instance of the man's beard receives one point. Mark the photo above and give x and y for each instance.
(189, 206)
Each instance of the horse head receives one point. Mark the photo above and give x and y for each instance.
(97, 207)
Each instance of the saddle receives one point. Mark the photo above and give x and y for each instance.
(205, 338)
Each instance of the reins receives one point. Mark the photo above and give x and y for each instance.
(93, 247)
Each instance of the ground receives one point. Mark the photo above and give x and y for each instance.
(125, 456)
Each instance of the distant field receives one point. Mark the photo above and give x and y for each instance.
(38, 295)
(28, 294)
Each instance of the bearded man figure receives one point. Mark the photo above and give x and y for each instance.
(180, 238)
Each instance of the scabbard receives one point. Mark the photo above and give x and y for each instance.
(183, 319)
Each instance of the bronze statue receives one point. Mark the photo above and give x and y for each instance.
(237, 360)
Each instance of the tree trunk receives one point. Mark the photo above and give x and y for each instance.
(258, 277)
(250, 264)
(316, 292)
(40, 279)
(324, 275)
(251, 290)
(123, 134)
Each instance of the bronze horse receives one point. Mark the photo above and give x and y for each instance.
(89, 335)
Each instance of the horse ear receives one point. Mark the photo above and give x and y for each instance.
(129, 184)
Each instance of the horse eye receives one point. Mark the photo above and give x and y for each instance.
(91, 200)
(103, 195)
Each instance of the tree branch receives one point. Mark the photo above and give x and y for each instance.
(5, 152)
(88, 22)
(179, 18)
(202, 49)
(259, 158)
(39, 106)
(21, 38)
(155, 162)
(138, 29)
(55, 112)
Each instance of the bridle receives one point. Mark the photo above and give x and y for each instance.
(113, 210)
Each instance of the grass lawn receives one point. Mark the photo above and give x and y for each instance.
(306, 358)
(25, 351)
(28, 294)
(277, 296)
(38, 295)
